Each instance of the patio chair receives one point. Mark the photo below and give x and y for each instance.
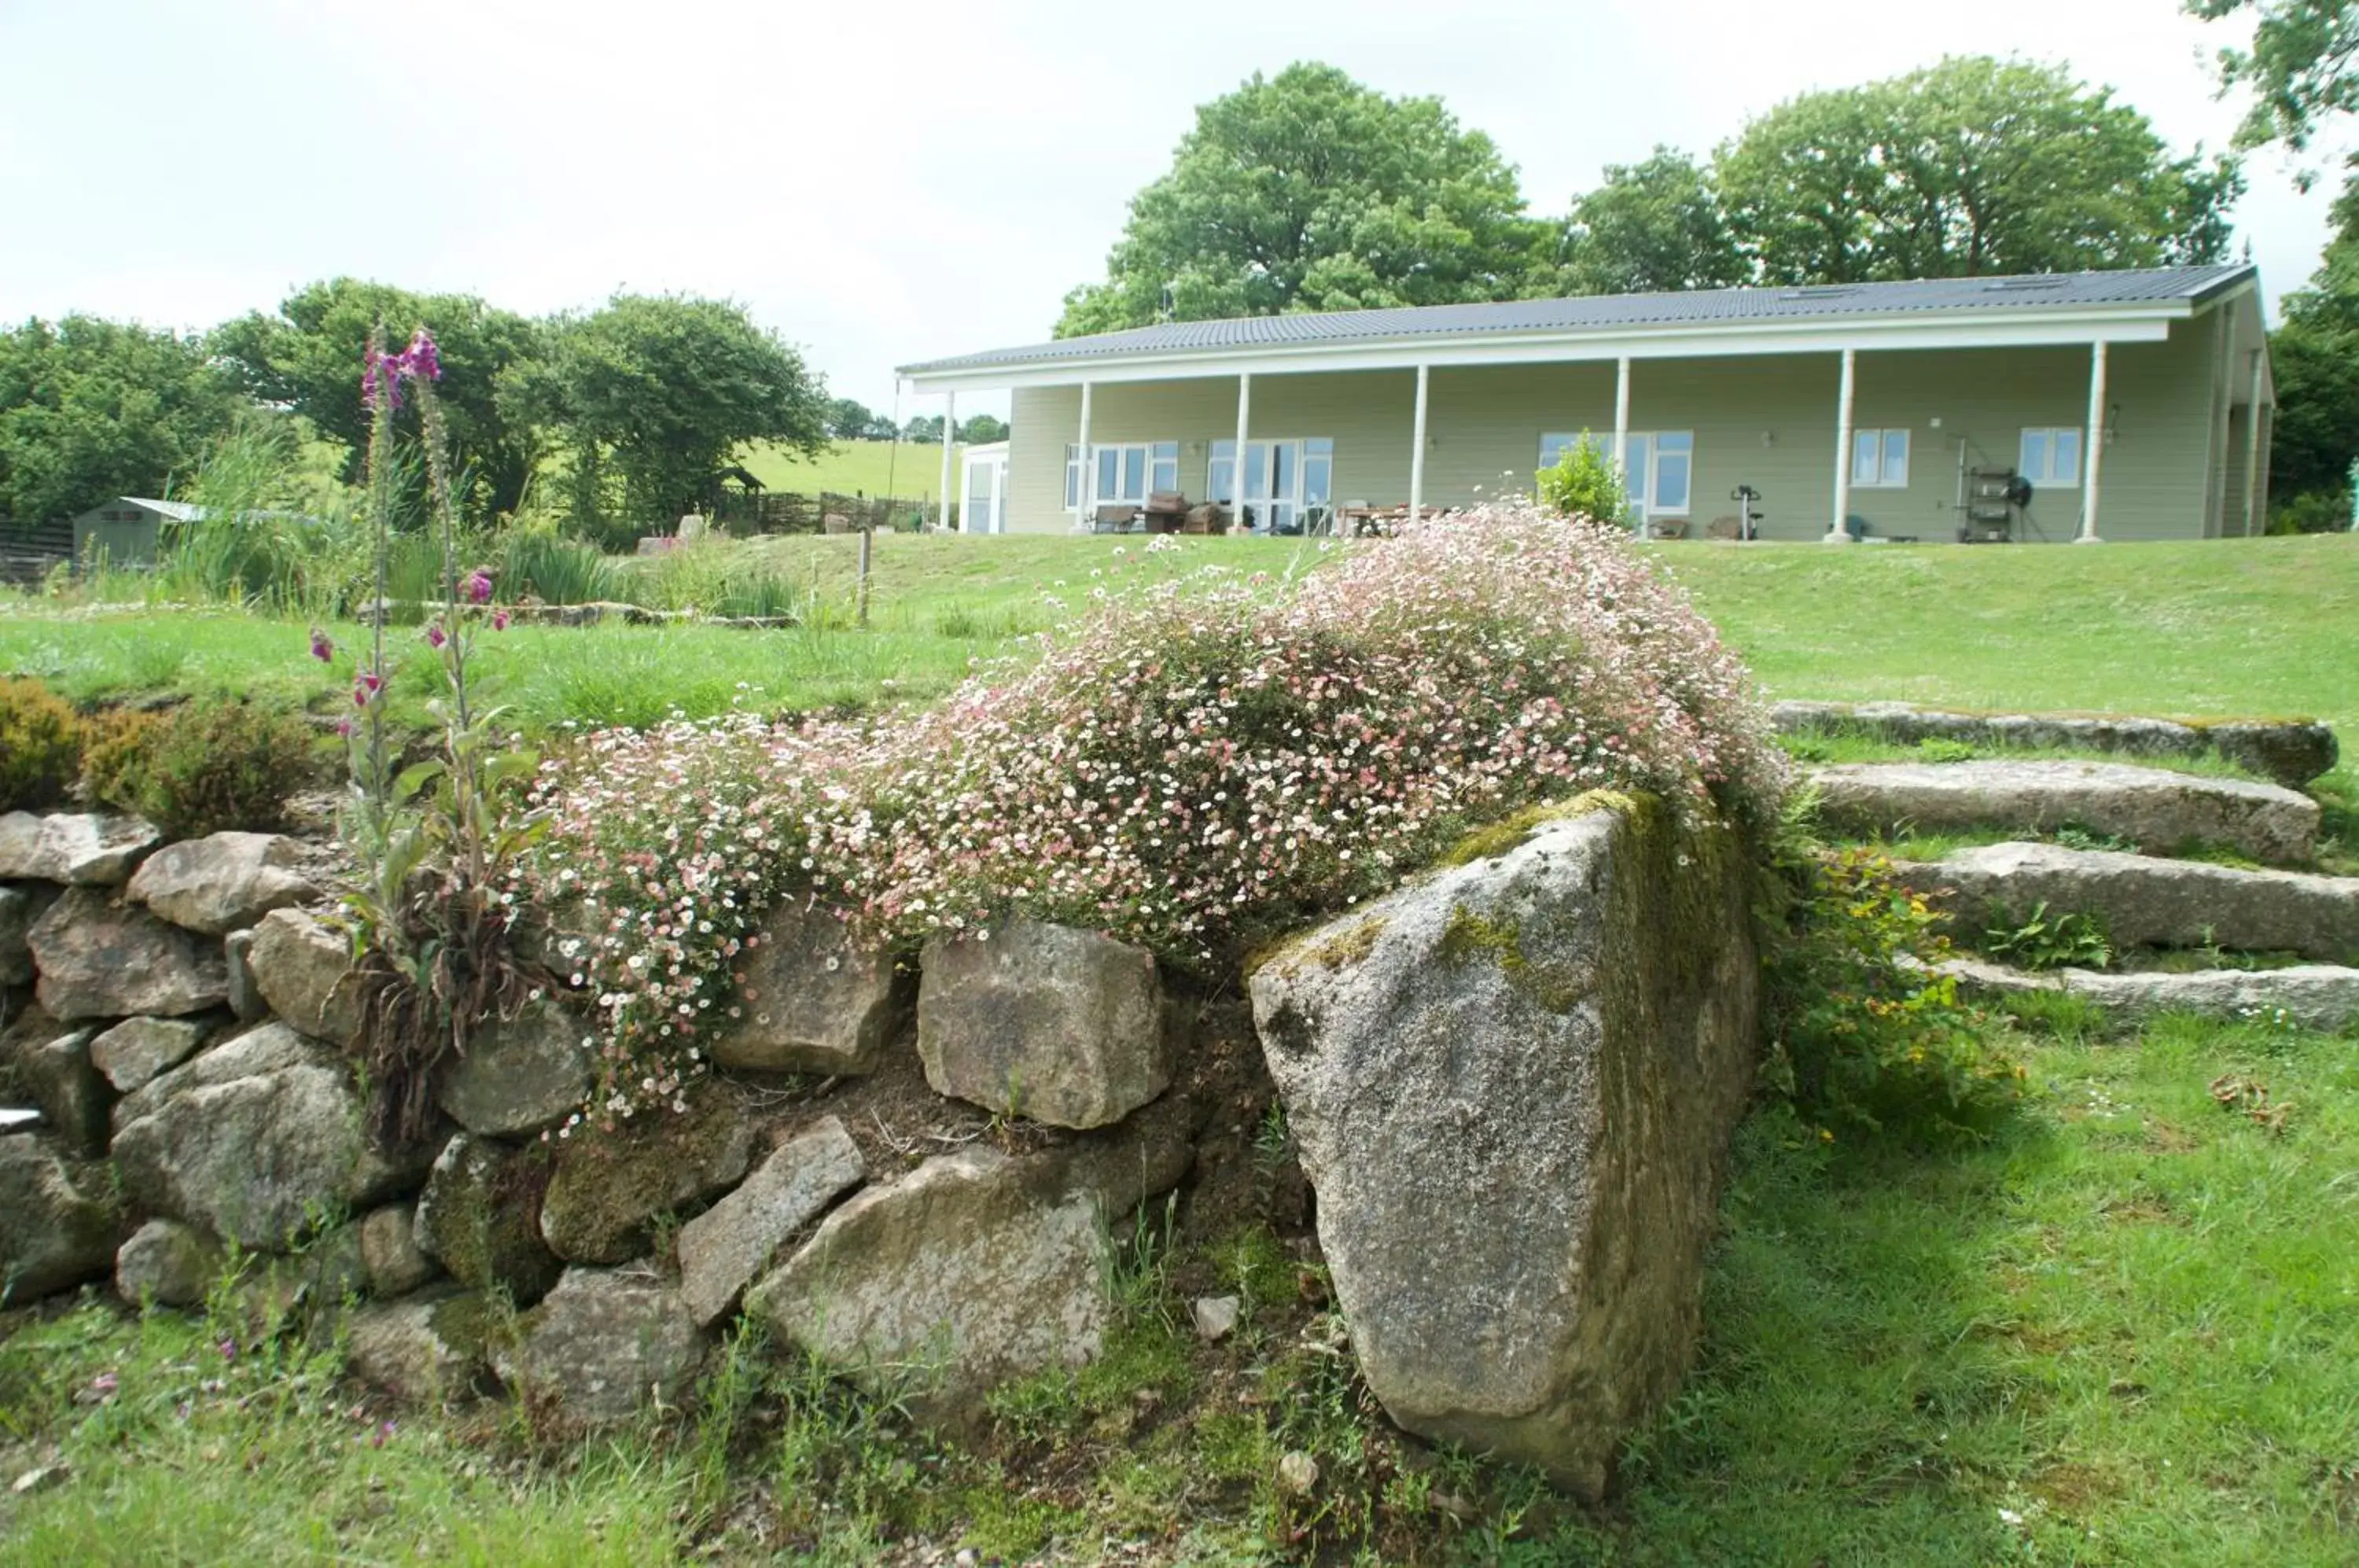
(1114, 520)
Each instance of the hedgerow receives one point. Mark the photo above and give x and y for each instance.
(1195, 765)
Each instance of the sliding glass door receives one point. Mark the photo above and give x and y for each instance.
(1283, 480)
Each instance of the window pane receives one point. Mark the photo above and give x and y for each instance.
(1109, 472)
(1166, 475)
(1864, 451)
(1675, 440)
(1218, 483)
(1072, 476)
(1164, 450)
(2067, 458)
(1895, 457)
(1318, 477)
(1133, 474)
(1671, 481)
(1287, 453)
(1322, 446)
(1553, 447)
(1635, 467)
(2033, 464)
(1256, 471)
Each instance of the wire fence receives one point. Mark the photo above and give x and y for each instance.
(784, 512)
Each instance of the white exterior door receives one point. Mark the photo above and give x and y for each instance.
(985, 508)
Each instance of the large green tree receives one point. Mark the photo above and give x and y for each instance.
(308, 357)
(2302, 73)
(91, 408)
(1973, 166)
(1309, 191)
(660, 390)
(1650, 226)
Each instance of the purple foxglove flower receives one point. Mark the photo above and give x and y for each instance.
(423, 359)
(344, 728)
(434, 635)
(321, 649)
(479, 587)
(499, 620)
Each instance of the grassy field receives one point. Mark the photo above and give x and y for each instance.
(2119, 1333)
(908, 470)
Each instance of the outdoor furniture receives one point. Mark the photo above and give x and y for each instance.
(1212, 517)
(1165, 511)
(1114, 520)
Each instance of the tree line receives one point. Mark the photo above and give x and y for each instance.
(1311, 192)
(847, 420)
(631, 410)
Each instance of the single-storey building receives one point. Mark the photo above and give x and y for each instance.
(125, 530)
(2131, 404)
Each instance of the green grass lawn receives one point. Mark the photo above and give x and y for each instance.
(908, 471)
(2122, 1332)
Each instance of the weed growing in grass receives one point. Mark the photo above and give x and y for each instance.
(40, 745)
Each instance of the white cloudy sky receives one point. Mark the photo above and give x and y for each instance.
(879, 182)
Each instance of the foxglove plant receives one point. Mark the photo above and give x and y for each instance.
(429, 924)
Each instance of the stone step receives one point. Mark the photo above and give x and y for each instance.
(2143, 901)
(2293, 752)
(2152, 807)
(16, 1118)
(2321, 996)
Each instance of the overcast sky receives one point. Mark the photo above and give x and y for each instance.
(879, 182)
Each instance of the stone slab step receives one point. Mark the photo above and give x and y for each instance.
(2321, 996)
(2152, 807)
(2293, 752)
(13, 1117)
(2144, 901)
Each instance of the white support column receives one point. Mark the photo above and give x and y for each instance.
(1836, 532)
(1417, 452)
(2093, 459)
(1088, 475)
(1622, 423)
(1238, 457)
(950, 434)
(2253, 452)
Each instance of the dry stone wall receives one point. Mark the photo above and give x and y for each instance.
(1512, 1083)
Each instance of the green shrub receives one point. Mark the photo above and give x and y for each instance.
(204, 768)
(541, 565)
(1865, 1031)
(40, 745)
(1940, 749)
(1585, 483)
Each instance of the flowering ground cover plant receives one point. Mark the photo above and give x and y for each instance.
(1195, 765)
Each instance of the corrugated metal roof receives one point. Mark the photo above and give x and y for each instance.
(1625, 312)
(179, 511)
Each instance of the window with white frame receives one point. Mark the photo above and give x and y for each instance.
(1658, 467)
(1879, 459)
(1120, 474)
(1282, 479)
(2051, 455)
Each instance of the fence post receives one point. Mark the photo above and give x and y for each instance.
(867, 540)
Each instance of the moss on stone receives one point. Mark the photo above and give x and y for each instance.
(1470, 935)
(1497, 838)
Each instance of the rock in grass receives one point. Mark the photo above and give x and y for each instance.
(480, 1215)
(2152, 807)
(99, 959)
(1062, 1026)
(60, 1228)
(607, 1343)
(813, 1000)
(723, 1248)
(1512, 1087)
(519, 1075)
(2321, 996)
(82, 849)
(135, 1050)
(425, 1347)
(224, 882)
(168, 1263)
(609, 1189)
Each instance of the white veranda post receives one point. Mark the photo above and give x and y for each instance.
(1838, 531)
(1237, 453)
(2093, 459)
(1084, 474)
(1417, 452)
(1622, 421)
(950, 434)
(2253, 450)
